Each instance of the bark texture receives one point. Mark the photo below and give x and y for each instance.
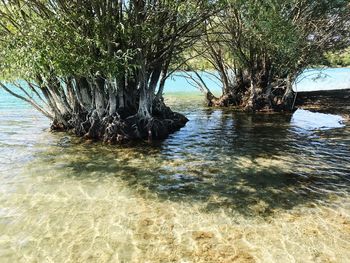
(258, 92)
(97, 109)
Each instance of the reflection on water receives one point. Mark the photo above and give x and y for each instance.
(228, 187)
(308, 120)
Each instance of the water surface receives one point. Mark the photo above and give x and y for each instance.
(229, 187)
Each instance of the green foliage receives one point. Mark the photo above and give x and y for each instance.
(36, 44)
(83, 38)
(339, 59)
(282, 36)
(39, 38)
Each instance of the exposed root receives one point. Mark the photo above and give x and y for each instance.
(124, 126)
(262, 102)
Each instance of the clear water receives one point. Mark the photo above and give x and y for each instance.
(229, 187)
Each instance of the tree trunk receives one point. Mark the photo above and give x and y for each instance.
(99, 95)
(112, 87)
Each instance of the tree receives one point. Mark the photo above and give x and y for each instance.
(340, 58)
(259, 48)
(98, 67)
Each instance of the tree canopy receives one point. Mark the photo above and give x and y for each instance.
(98, 67)
(96, 59)
(260, 48)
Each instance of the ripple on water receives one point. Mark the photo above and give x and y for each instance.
(228, 187)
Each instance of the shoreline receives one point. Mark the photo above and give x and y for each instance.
(325, 101)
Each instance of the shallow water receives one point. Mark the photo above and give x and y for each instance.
(229, 187)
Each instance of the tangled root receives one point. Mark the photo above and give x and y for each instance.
(120, 128)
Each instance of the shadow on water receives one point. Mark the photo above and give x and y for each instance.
(250, 164)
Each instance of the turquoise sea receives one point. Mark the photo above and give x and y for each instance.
(228, 187)
(312, 79)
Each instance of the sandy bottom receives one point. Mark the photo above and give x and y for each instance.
(102, 220)
(183, 201)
